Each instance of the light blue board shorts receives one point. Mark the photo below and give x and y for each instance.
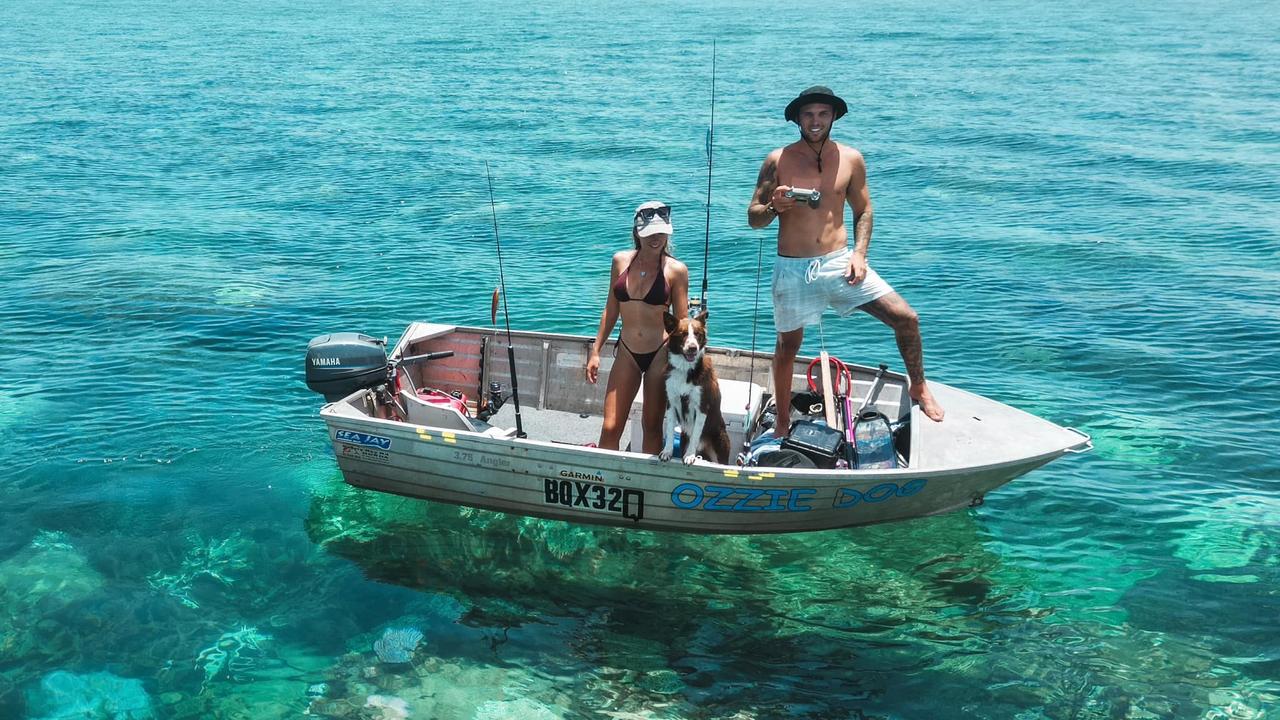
(804, 287)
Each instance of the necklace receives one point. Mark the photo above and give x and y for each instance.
(818, 153)
(643, 273)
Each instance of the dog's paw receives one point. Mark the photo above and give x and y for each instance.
(690, 459)
(665, 455)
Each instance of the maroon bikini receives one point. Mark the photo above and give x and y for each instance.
(659, 294)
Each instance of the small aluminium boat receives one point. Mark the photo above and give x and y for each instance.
(402, 422)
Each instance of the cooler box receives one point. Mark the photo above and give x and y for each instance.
(733, 406)
(816, 441)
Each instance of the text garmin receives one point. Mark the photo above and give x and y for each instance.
(594, 496)
(576, 475)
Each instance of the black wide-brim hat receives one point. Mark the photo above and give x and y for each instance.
(816, 94)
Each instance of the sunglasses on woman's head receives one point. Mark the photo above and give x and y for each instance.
(646, 214)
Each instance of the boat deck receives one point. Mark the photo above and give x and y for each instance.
(554, 425)
(559, 406)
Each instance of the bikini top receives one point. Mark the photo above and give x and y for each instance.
(659, 293)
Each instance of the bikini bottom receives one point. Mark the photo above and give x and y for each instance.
(642, 360)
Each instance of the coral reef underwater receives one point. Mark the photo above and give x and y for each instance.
(63, 695)
(396, 645)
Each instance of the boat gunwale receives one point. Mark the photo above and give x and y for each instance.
(332, 416)
(732, 352)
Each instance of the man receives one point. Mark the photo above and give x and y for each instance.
(815, 265)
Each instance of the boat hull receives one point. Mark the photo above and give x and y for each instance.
(586, 485)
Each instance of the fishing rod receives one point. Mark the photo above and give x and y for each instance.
(706, 249)
(711, 137)
(751, 371)
(502, 282)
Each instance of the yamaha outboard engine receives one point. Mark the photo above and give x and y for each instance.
(341, 363)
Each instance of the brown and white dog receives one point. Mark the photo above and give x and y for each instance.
(693, 393)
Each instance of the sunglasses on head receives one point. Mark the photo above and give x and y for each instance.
(646, 214)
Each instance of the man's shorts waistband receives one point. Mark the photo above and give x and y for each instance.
(811, 258)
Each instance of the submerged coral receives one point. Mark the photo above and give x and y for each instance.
(341, 514)
(521, 709)
(44, 578)
(1229, 540)
(396, 645)
(440, 606)
(433, 687)
(50, 571)
(388, 707)
(234, 653)
(51, 540)
(218, 560)
(66, 696)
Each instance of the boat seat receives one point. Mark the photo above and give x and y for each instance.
(738, 413)
(448, 418)
(492, 431)
(438, 416)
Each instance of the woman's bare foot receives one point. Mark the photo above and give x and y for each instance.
(928, 405)
(781, 426)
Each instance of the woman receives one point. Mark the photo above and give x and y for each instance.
(643, 284)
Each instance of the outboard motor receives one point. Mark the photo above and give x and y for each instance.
(338, 364)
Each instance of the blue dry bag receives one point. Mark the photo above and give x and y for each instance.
(873, 440)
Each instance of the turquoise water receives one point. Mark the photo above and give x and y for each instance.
(1081, 202)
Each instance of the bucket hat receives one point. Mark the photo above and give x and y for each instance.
(816, 94)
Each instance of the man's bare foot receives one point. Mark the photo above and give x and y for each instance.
(928, 405)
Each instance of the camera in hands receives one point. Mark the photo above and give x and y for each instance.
(812, 197)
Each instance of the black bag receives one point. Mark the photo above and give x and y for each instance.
(784, 459)
(818, 442)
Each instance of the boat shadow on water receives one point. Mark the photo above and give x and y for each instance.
(869, 618)
(562, 567)
(709, 614)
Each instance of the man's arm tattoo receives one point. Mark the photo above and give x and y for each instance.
(767, 181)
(862, 231)
(758, 215)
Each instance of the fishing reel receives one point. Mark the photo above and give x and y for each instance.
(494, 402)
(811, 197)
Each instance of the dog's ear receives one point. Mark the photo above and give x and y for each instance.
(702, 316)
(669, 322)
